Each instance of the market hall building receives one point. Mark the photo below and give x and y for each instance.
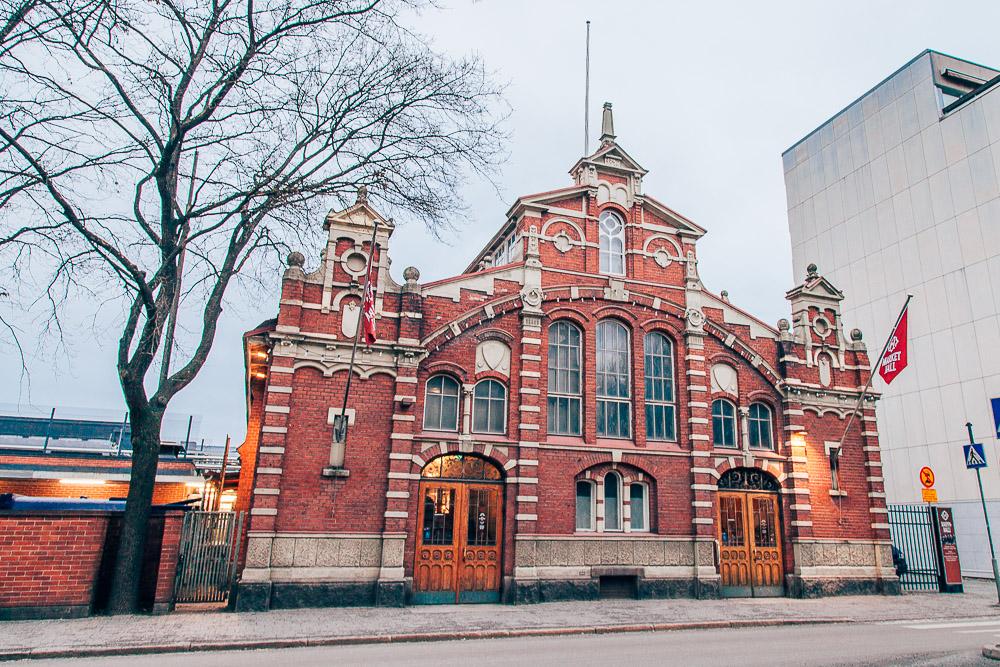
(574, 416)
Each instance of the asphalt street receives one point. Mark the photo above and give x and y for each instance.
(951, 642)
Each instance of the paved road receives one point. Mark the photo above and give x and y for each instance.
(952, 642)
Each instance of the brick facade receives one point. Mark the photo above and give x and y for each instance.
(336, 524)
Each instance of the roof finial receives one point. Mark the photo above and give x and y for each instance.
(362, 195)
(607, 125)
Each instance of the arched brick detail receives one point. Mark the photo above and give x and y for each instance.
(483, 450)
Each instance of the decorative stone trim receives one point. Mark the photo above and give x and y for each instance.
(393, 514)
(526, 517)
(397, 494)
(277, 389)
(530, 391)
(705, 487)
(274, 429)
(260, 491)
(402, 418)
(530, 374)
(522, 480)
(702, 521)
(403, 475)
(268, 471)
(272, 450)
(264, 511)
(802, 524)
(284, 409)
(401, 436)
(527, 499)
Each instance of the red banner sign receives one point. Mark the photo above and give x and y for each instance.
(894, 360)
(951, 567)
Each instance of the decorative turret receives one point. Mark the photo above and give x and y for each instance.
(607, 125)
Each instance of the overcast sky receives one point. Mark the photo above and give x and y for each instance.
(706, 95)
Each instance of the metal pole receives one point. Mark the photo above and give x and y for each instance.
(986, 515)
(342, 428)
(586, 99)
(48, 427)
(187, 437)
(222, 475)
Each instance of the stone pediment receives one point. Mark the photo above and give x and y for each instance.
(816, 287)
(361, 214)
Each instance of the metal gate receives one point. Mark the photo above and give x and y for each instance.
(912, 530)
(209, 555)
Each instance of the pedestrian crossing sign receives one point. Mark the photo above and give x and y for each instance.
(974, 455)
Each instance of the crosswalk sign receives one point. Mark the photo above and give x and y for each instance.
(995, 404)
(974, 455)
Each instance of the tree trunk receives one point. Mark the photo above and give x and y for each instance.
(145, 454)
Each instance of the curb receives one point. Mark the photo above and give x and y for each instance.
(353, 640)
(992, 651)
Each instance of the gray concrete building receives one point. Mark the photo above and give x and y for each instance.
(899, 194)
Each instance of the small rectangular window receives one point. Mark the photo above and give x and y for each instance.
(339, 429)
(835, 468)
(584, 506)
(638, 507)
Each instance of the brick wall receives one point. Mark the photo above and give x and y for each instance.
(163, 492)
(50, 563)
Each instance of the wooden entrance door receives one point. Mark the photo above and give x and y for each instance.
(750, 562)
(458, 543)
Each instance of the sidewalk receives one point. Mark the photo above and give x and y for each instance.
(303, 627)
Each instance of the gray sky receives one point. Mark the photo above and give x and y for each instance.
(706, 97)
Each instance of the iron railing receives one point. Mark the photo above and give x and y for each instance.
(209, 556)
(912, 531)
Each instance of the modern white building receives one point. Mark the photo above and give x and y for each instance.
(899, 194)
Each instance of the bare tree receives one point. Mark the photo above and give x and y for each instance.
(135, 134)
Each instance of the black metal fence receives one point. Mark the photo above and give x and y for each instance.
(209, 554)
(912, 530)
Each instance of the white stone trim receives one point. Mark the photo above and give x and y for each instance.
(526, 517)
(272, 450)
(882, 526)
(701, 503)
(397, 494)
(530, 391)
(268, 471)
(802, 524)
(403, 475)
(401, 418)
(694, 388)
(801, 507)
(279, 389)
(697, 420)
(394, 514)
(530, 340)
(703, 520)
(529, 408)
(284, 409)
(531, 357)
(274, 429)
(405, 378)
(262, 491)
(401, 436)
(527, 499)
(264, 511)
(522, 480)
(530, 374)
(705, 487)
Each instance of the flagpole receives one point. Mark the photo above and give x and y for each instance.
(342, 428)
(871, 375)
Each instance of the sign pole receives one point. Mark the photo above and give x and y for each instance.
(986, 515)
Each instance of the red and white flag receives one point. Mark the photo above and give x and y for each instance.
(894, 360)
(368, 308)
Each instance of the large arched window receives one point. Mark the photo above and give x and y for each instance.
(441, 404)
(489, 407)
(723, 423)
(614, 407)
(586, 503)
(612, 501)
(661, 407)
(759, 424)
(612, 241)
(565, 387)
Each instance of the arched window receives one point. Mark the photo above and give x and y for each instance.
(489, 407)
(760, 426)
(565, 387)
(661, 408)
(586, 502)
(441, 404)
(612, 501)
(638, 503)
(614, 407)
(612, 241)
(723, 424)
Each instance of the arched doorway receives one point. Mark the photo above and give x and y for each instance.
(459, 531)
(750, 559)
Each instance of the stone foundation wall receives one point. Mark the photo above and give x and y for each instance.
(321, 570)
(554, 568)
(842, 567)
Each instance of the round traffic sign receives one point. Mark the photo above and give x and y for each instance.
(927, 477)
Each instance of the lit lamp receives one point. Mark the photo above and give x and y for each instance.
(798, 439)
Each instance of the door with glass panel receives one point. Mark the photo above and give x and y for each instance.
(459, 532)
(749, 547)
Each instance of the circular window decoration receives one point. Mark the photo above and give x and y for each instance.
(821, 327)
(355, 262)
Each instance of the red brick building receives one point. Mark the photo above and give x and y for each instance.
(575, 415)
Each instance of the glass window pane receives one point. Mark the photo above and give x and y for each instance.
(612, 503)
(584, 506)
(637, 507)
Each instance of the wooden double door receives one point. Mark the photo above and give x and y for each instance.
(750, 559)
(459, 543)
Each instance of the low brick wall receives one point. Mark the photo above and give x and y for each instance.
(57, 563)
(49, 563)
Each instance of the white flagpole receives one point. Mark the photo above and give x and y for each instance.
(341, 434)
(871, 375)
